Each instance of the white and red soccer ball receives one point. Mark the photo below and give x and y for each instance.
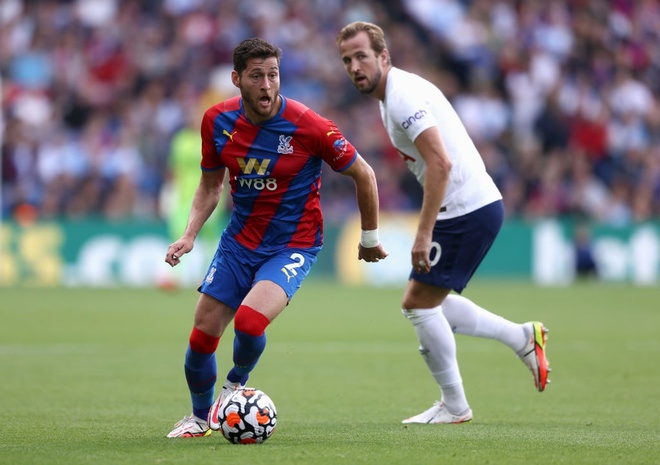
(247, 416)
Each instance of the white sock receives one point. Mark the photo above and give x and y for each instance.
(467, 318)
(454, 395)
(438, 348)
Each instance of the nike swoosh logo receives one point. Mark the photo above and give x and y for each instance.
(213, 417)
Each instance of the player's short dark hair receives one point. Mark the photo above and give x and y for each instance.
(253, 48)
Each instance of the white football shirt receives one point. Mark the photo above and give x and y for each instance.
(413, 104)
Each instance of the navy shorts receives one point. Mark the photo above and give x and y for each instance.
(236, 269)
(459, 246)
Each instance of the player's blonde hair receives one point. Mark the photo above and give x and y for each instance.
(373, 31)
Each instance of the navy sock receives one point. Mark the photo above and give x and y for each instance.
(247, 350)
(201, 374)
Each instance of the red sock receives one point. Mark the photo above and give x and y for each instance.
(203, 343)
(250, 321)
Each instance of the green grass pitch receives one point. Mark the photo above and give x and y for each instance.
(96, 377)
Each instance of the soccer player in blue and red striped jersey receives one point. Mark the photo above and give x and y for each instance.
(272, 149)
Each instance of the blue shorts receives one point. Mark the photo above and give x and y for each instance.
(459, 246)
(235, 270)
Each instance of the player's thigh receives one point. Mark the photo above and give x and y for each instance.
(212, 316)
(231, 274)
(267, 298)
(459, 246)
(286, 270)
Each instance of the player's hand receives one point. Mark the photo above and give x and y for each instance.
(176, 250)
(420, 261)
(421, 253)
(422, 265)
(372, 254)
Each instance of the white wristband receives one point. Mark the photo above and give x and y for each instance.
(369, 239)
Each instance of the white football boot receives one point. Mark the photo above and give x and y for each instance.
(190, 427)
(438, 414)
(225, 391)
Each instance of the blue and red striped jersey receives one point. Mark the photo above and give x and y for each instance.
(274, 171)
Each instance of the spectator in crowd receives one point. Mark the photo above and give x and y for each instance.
(110, 81)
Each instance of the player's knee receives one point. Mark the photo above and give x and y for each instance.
(421, 316)
(250, 321)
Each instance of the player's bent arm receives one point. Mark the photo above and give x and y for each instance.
(366, 189)
(367, 198)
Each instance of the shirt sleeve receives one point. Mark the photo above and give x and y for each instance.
(210, 156)
(333, 147)
(411, 111)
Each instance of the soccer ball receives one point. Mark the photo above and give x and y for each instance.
(247, 416)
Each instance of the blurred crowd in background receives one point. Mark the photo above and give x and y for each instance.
(560, 97)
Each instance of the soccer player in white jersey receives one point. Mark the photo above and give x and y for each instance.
(460, 217)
